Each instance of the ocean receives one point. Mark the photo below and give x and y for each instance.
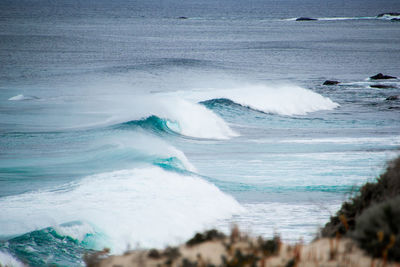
(136, 124)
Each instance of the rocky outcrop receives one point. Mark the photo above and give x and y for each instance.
(381, 76)
(330, 82)
(393, 97)
(305, 19)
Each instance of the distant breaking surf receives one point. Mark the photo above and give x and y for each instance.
(287, 100)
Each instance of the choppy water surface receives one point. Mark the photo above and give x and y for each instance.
(122, 124)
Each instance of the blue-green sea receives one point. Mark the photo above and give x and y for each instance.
(135, 124)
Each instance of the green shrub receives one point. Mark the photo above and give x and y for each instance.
(377, 229)
(386, 187)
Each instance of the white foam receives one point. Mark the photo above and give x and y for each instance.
(149, 206)
(289, 220)
(388, 17)
(290, 19)
(346, 18)
(8, 260)
(279, 99)
(21, 98)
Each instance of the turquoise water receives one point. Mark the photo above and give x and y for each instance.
(124, 126)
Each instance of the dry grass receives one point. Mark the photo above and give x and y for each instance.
(241, 250)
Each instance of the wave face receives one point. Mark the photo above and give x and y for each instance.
(285, 100)
(151, 207)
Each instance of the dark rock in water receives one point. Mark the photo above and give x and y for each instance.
(329, 82)
(388, 14)
(382, 86)
(182, 17)
(393, 97)
(380, 76)
(395, 19)
(304, 19)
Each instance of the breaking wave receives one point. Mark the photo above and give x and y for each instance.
(285, 100)
(151, 207)
(175, 115)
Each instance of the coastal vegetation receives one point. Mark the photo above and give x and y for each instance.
(372, 216)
